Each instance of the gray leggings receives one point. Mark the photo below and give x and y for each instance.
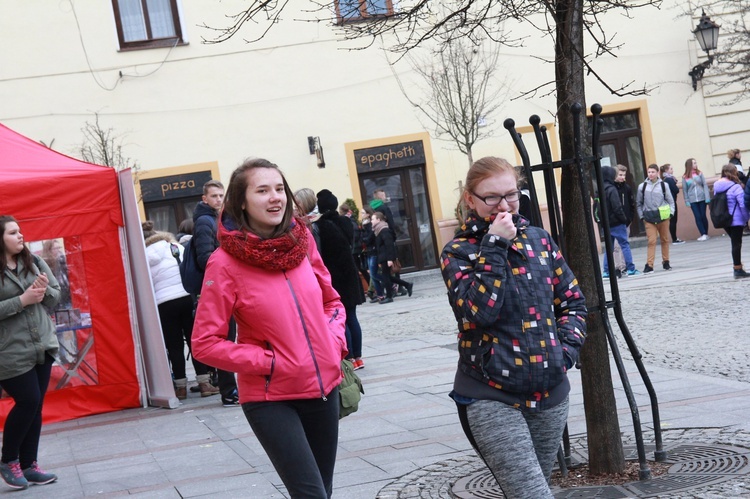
(519, 448)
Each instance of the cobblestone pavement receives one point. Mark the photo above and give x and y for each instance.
(693, 318)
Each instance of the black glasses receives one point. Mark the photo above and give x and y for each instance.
(494, 199)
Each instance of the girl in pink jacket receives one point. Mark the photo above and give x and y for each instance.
(268, 275)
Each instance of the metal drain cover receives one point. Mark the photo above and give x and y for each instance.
(692, 466)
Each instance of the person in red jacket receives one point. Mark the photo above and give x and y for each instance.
(268, 275)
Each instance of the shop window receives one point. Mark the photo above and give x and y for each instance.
(147, 23)
(360, 10)
(75, 364)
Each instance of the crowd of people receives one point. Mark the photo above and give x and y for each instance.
(264, 248)
(655, 203)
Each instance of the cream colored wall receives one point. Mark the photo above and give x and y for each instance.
(221, 103)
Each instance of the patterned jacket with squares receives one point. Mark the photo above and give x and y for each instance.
(520, 312)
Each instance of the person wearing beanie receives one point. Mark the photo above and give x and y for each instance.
(336, 239)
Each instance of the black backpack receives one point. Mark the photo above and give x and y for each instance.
(191, 275)
(719, 207)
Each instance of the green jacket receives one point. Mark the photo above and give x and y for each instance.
(26, 334)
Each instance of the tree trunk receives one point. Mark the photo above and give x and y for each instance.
(603, 428)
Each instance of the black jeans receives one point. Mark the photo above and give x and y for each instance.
(673, 225)
(23, 426)
(176, 317)
(389, 279)
(735, 236)
(300, 438)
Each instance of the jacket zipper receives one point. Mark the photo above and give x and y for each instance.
(273, 365)
(307, 337)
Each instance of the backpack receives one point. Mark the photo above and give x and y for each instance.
(719, 208)
(191, 275)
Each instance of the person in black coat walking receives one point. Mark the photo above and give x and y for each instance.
(667, 175)
(618, 220)
(387, 255)
(336, 237)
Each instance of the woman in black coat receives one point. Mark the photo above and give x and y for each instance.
(336, 237)
(387, 255)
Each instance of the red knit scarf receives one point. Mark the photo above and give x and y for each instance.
(280, 253)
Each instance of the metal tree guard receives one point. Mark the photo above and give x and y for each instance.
(547, 167)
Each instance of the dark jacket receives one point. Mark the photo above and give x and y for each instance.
(336, 251)
(615, 211)
(627, 199)
(520, 314)
(385, 246)
(673, 188)
(204, 233)
(378, 205)
(368, 239)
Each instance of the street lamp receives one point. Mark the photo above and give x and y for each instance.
(707, 33)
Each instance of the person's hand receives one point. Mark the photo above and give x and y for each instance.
(390, 263)
(503, 226)
(33, 294)
(42, 281)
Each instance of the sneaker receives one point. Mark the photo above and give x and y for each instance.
(377, 299)
(195, 389)
(704, 237)
(605, 275)
(666, 265)
(231, 400)
(386, 300)
(648, 269)
(409, 288)
(36, 476)
(403, 292)
(13, 476)
(358, 364)
(207, 389)
(633, 272)
(740, 273)
(618, 273)
(678, 241)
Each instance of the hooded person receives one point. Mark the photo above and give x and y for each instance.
(618, 220)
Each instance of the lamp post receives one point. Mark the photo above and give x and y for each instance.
(707, 33)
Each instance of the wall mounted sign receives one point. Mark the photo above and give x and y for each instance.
(390, 156)
(174, 186)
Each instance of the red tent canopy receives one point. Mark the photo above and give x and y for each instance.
(75, 206)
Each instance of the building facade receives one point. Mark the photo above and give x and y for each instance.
(329, 116)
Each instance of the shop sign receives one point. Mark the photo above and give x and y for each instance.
(390, 156)
(174, 186)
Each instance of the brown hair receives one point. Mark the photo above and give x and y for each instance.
(621, 168)
(24, 255)
(729, 171)
(653, 166)
(235, 196)
(212, 183)
(732, 153)
(148, 229)
(663, 168)
(380, 216)
(689, 168)
(485, 168)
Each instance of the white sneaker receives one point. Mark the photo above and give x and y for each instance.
(704, 237)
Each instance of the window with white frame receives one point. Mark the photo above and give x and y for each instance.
(147, 23)
(360, 10)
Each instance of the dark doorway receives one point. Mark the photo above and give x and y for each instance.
(408, 199)
(621, 143)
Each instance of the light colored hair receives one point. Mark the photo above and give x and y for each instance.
(306, 200)
(212, 183)
(485, 168)
(732, 153)
(729, 171)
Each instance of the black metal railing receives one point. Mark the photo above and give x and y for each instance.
(586, 165)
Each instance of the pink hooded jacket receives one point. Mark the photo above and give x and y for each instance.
(290, 327)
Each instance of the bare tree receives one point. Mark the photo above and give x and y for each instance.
(460, 98)
(567, 22)
(104, 147)
(731, 68)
